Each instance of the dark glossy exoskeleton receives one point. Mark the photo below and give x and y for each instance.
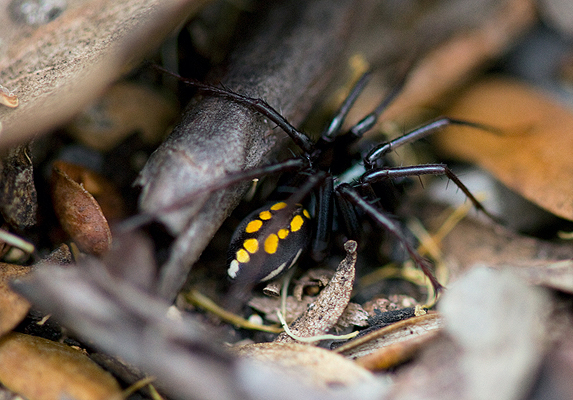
(270, 240)
(266, 248)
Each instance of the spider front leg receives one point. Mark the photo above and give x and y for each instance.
(384, 173)
(350, 194)
(419, 133)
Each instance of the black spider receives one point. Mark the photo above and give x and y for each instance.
(270, 239)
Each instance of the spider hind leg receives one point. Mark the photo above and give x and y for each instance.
(351, 195)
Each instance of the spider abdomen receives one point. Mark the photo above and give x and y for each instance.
(268, 242)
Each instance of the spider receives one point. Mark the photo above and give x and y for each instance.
(270, 239)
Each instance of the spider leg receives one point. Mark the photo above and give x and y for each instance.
(380, 174)
(323, 220)
(228, 180)
(259, 105)
(333, 129)
(366, 123)
(349, 219)
(350, 194)
(421, 132)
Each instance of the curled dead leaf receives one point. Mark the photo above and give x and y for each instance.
(14, 307)
(78, 212)
(532, 155)
(41, 369)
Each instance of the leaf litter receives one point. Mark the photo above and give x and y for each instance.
(490, 326)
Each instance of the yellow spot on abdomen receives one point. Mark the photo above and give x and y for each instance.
(254, 226)
(306, 214)
(283, 233)
(242, 256)
(278, 206)
(265, 215)
(271, 243)
(296, 223)
(251, 245)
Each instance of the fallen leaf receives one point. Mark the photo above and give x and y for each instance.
(409, 329)
(129, 323)
(555, 373)
(13, 307)
(61, 256)
(103, 191)
(531, 154)
(451, 64)
(394, 354)
(495, 336)
(473, 242)
(78, 212)
(553, 274)
(306, 364)
(41, 369)
(311, 282)
(268, 306)
(57, 64)
(322, 315)
(8, 98)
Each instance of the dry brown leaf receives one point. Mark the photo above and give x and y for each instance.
(78, 212)
(100, 188)
(311, 365)
(409, 329)
(472, 242)
(532, 155)
(395, 353)
(322, 315)
(129, 323)
(268, 306)
(447, 67)
(13, 307)
(61, 256)
(41, 369)
(57, 66)
(494, 342)
(554, 274)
